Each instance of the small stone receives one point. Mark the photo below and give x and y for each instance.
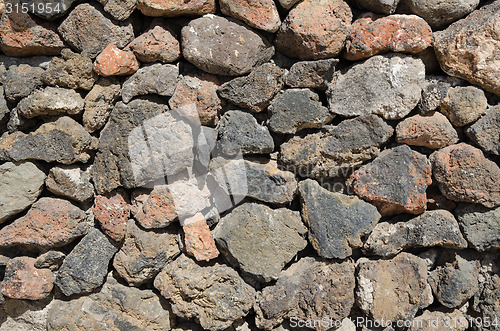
(86, 267)
(144, 254)
(119, 9)
(21, 80)
(113, 211)
(259, 14)
(440, 14)
(336, 221)
(20, 185)
(308, 290)
(396, 33)
(112, 61)
(99, 103)
(25, 282)
(214, 295)
(464, 105)
(312, 74)
(433, 131)
(155, 78)
(51, 101)
(224, 47)
(464, 174)
(314, 29)
(176, 7)
(433, 94)
(51, 260)
(480, 226)
(155, 209)
(240, 132)
(70, 182)
(486, 131)
(378, 6)
(432, 228)
(255, 91)
(198, 240)
(440, 321)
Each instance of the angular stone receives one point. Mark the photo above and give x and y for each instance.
(463, 173)
(432, 94)
(119, 9)
(336, 221)
(464, 105)
(86, 267)
(396, 33)
(99, 103)
(486, 131)
(393, 289)
(70, 182)
(437, 320)
(176, 7)
(259, 14)
(23, 281)
(21, 80)
(113, 211)
(154, 209)
(467, 48)
(51, 101)
(20, 186)
(223, 47)
(51, 260)
(314, 29)
(480, 226)
(378, 6)
(99, 31)
(215, 295)
(64, 141)
(155, 78)
(312, 74)
(144, 254)
(440, 14)
(112, 61)
(255, 91)
(433, 131)
(309, 289)
(389, 86)
(405, 174)
(198, 240)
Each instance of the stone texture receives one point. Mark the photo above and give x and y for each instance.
(309, 290)
(155, 78)
(23, 281)
(464, 105)
(486, 131)
(488, 301)
(99, 103)
(433, 94)
(393, 289)
(389, 86)
(467, 48)
(154, 209)
(480, 226)
(20, 186)
(70, 182)
(51, 101)
(314, 29)
(378, 6)
(336, 221)
(313, 74)
(176, 7)
(198, 240)
(255, 91)
(49, 223)
(437, 320)
(112, 61)
(51, 260)
(432, 132)
(24, 315)
(119, 9)
(21, 80)
(405, 174)
(86, 267)
(215, 295)
(463, 173)
(144, 254)
(440, 14)
(396, 33)
(225, 47)
(432, 228)
(113, 211)
(259, 14)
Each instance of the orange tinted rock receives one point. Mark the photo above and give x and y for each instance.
(113, 211)
(114, 62)
(23, 281)
(259, 14)
(159, 43)
(171, 8)
(198, 239)
(154, 210)
(428, 131)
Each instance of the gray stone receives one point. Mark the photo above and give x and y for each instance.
(464, 105)
(4, 110)
(378, 6)
(33, 61)
(21, 80)
(312, 74)
(439, 14)
(336, 221)
(389, 86)
(480, 226)
(24, 315)
(70, 182)
(99, 103)
(51, 260)
(51, 101)
(486, 131)
(487, 303)
(51, 9)
(155, 78)
(119, 9)
(86, 267)
(432, 95)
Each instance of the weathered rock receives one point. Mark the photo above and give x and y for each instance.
(433, 94)
(433, 131)
(437, 320)
(23, 281)
(309, 290)
(440, 14)
(198, 240)
(51, 101)
(464, 105)
(255, 91)
(224, 47)
(312, 74)
(20, 186)
(467, 48)
(465, 174)
(155, 209)
(389, 86)
(240, 132)
(112, 61)
(21, 80)
(119, 9)
(86, 267)
(51, 260)
(396, 33)
(287, 4)
(393, 289)
(113, 211)
(480, 226)
(336, 221)
(488, 301)
(260, 14)
(70, 182)
(486, 131)
(189, 198)
(64, 141)
(176, 7)
(155, 78)
(405, 174)
(99, 103)
(215, 296)
(25, 315)
(99, 31)
(144, 254)
(314, 29)
(378, 6)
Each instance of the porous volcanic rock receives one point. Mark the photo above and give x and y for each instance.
(198, 239)
(70, 182)
(433, 131)
(154, 209)
(486, 131)
(112, 210)
(21, 80)
(112, 61)
(51, 260)
(439, 14)
(51, 101)
(259, 14)
(312, 74)
(171, 8)
(480, 225)
(378, 6)
(119, 9)
(464, 105)
(99, 103)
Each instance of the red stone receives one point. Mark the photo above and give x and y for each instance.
(156, 209)
(198, 239)
(172, 8)
(23, 281)
(113, 211)
(114, 62)
(259, 14)
(433, 132)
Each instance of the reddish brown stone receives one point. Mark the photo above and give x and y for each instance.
(198, 239)
(396, 33)
(171, 8)
(114, 62)
(259, 14)
(155, 209)
(428, 131)
(23, 281)
(113, 211)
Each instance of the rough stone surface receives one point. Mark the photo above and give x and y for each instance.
(259, 14)
(198, 240)
(23, 281)
(176, 7)
(405, 174)
(467, 48)
(24, 315)
(433, 94)
(154, 209)
(99, 103)
(309, 290)
(113, 211)
(480, 226)
(215, 295)
(112, 61)
(224, 47)
(156, 78)
(144, 254)
(314, 29)
(486, 131)
(463, 173)
(20, 186)
(464, 105)
(488, 303)
(437, 320)
(378, 6)
(312, 74)
(21, 80)
(433, 131)
(336, 221)
(439, 14)
(51, 260)
(70, 182)
(119, 9)
(51, 101)
(389, 86)
(255, 91)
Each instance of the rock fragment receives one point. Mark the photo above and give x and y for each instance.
(378, 6)
(198, 240)
(433, 131)
(70, 182)
(119, 9)
(440, 14)
(486, 131)
(287, 4)
(112, 61)
(112, 211)
(99, 103)
(154, 209)
(464, 105)
(312, 74)
(21, 80)
(480, 226)
(155, 78)
(176, 7)
(260, 14)
(51, 101)
(51, 260)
